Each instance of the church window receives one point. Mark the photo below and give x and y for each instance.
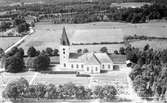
(109, 66)
(82, 66)
(103, 66)
(64, 64)
(72, 66)
(87, 68)
(77, 66)
(96, 69)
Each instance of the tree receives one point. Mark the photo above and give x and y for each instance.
(40, 91)
(49, 51)
(69, 90)
(116, 52)
(104, 50)
(24, 27)
(122, 50)
(79, 51)
(106, 92)
(20, 53)
(55, 52)
(146, 47)
(5, 25)
(41, 62)
(50, 91)
(16, 89)
(31, 52)
(18, 21)
(1, 52)
(12, 52)
(85, 51)
(109, 92)
(80, 93)
(14, 64)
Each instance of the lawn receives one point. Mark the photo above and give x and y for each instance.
(48, 35)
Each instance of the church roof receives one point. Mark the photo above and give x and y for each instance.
(89, 59)
(97, 58)
(64, 39)
(103, 58)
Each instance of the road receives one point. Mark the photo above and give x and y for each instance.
(1, 70)
(16, 44)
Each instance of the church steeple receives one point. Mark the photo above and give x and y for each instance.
(64, 39)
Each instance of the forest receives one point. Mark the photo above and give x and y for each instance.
(148, 71)
(83, 12)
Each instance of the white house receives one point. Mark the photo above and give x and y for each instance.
(91, 63)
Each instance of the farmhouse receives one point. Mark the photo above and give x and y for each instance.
(91, 63)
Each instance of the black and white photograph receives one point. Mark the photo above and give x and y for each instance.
(83, 51)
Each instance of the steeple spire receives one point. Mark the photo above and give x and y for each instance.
(64, 39)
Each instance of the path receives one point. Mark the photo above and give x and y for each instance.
(16, 44)
(33, 78)
(20, 41)
(132, 94)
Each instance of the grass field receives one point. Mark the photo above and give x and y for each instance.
(48, 35)
(7, 42)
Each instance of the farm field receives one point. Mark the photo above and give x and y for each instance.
(7, 42)
(48, 35)
(155, 44)
(130, 4)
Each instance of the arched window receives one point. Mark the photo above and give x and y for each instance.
(82, 66)
(96, 69)
(103, 66)
(64, 64)
(87, 68)
(77, 66)
(72, 66)
(109, 66)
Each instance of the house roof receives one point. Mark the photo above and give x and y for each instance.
(118, 59)
(64, 39)
(103, 58)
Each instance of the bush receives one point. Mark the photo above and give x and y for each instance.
(104, 50)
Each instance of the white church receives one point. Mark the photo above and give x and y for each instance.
(89, 63)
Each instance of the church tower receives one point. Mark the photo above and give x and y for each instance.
(64, 49)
